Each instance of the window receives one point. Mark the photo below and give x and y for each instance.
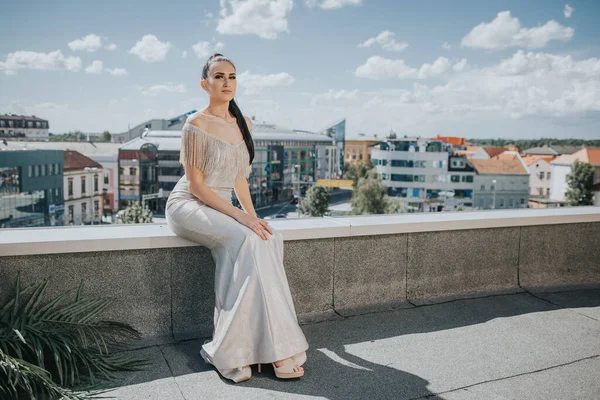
(501, 202)
(492, 187)
(30, 170)
(542, 175)
(37, 170)
(96, 183)
(482, 188)
(106, 178)
(83, 191)
(43, 169)
(96, 208)
(83, 211)
(70, 187)
(548, 176)
(522, 201)
(132, 171)
(540, 191)
(71, 212)
(57, 194)
(454, 178)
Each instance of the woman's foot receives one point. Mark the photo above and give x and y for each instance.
(296, 368)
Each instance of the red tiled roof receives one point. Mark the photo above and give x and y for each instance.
(532, 158)
(588, 154)
(494, 150)
(495, 166)
(75, 160)
(453, 140)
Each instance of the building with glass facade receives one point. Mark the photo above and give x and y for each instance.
(31, 188)
(285, 163)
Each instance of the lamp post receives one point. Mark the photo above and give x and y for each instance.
(91, 171)
(494, 202)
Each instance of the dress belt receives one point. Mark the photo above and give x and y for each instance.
(220, 187)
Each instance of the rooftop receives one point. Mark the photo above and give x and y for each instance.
(512, 166)
(520, 346)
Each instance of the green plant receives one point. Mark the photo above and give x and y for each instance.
(51, 349)
(135, 214)
(316, 201)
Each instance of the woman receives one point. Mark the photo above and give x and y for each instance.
(254, 318)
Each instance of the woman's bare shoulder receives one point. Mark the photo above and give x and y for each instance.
(198, 119)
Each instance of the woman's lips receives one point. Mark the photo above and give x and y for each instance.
(226, 91)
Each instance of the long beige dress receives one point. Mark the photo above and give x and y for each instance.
(254, 316)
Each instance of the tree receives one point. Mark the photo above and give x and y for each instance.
(580, 181)
(105, 136)
(316, 202)
(357, 171)
(369, 197)
(135, 214)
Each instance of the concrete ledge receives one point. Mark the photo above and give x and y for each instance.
(163, 285)
(56, 240)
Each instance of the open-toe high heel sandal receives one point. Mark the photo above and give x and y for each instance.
(285, 371)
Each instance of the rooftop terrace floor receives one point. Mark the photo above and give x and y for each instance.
(519, 346)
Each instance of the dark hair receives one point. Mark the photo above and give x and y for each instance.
(233, 107)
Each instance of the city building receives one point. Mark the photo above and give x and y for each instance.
(540, 173)
(23, 127)
(337, 132)
(83, 194)
(500, 183)
(170, 124)
(359, 149)
(285, 163)
(31, 188)
(106, 154)
(424, 173)
(561, 167)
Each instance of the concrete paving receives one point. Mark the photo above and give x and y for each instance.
(520, 346)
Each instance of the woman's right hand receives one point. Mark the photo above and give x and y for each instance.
(258, 225)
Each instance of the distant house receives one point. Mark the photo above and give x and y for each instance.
(561, 167)
(500, 183)
(552, 150)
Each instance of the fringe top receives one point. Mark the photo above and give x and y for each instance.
(219, 160)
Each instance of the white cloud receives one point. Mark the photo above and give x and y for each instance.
(88, 43)
(387, 40)
(568, 11)
(379, 68)
(331, 4)
(117, 71)
(446, 46)
(95, 67)
(525, 84)
(156, 89)
(208, 18)
(184, 54)
(439, 67)
(54, 60)
(51, 106)
(335, 95)
(150, 49)
(254, 83)
(110, 47)
(460, 66)
(506, 31)
(264, 18)
(204, 49)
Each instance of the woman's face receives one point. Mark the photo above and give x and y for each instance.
(221, 81)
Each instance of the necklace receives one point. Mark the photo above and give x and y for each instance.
(218, 116)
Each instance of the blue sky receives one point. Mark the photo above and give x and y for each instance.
(463, 68)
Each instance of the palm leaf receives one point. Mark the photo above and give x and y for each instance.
(64, 337)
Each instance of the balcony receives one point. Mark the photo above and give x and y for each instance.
(489, 303)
